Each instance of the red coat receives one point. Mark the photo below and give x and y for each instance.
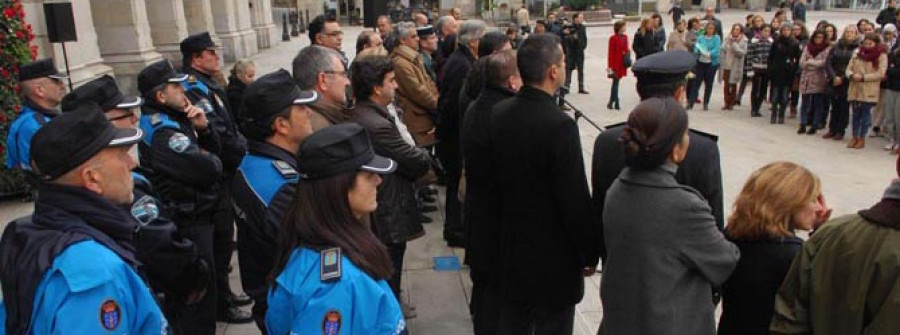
(618, 47)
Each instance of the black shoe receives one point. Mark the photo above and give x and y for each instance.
(235, 315)
(811, 131)
(781, 119)
(755, 114)
(583, 91)
(238, 300)
(690, 107)
(427, 208)
(802, 130)
(609, 105)
(425, 219)
(617, 106)
(705, 107)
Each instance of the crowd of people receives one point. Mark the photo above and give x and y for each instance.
(326, 172)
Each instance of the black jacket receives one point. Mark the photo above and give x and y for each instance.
(784, 61)
(222, 119)
(748, 297)
(645, 44)
(700, 169)
(892, 79)
(886, 16)
(235, 91)
(454, 75)
(576, 39)
(185, 175)
(481, 212)
(263, 188)
(547, 234)
(396, 219)
(63, 216)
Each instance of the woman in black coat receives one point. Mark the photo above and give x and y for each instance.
(836, 67)
(784, 59)
(242, 74)
(777, 199)
(645, 40)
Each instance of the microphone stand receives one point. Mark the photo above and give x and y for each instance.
(579, 115)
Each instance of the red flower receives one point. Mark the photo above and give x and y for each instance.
(19, 34)
(34, 52)
(5, 73)
(2, 118)
(9, 13)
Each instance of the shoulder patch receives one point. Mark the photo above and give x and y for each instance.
(204, 104)
(330, 264)
(155, 119)
(179, 142)
(331, 323)
(145, 210)
(110, 315)
(284, 169)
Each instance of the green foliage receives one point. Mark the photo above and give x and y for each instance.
(15, 49)
(582, 4)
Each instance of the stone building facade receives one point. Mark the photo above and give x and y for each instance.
(121, 37)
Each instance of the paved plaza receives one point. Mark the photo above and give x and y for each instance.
(852, 179)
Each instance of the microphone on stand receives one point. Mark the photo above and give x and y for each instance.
(563, 90)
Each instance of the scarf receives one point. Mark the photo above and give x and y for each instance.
(871, 54)
(814, 49)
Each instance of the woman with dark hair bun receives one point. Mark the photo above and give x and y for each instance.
(330, 270)
(665, 253)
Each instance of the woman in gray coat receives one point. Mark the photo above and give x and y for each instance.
(665, 253)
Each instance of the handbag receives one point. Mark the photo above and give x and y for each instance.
(626, 60)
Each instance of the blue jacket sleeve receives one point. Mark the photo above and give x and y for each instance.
(21, 142)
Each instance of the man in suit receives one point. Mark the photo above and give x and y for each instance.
(660, 75)
(546, 241)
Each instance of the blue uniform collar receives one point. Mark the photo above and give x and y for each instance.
(48, 112)
(266, 149)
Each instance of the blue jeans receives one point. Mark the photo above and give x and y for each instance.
(862, 118)
(812, 110)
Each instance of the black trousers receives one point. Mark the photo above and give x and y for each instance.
(454, 227)
(223, 248)
(486, 302)
(522, 319)
(759, 90)
(396, 251)
(200, 317)
(840, 111)
(614, 92)
(575, 62)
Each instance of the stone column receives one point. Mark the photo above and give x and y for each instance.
(267, 34)
(232, 20)
(85, 61)
(167, 26)
(124, 38)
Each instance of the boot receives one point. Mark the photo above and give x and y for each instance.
(838, 137)
(852, 143)
(774, 117)
(609, 105)
(828, 135)
(802, 130)
(861, 143)
(811, 130)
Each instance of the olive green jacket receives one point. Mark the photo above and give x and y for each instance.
(846, 279)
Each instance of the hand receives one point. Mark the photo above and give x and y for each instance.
(838, 81)
(588, 271)
(196, 115)
(823, 213)
(857, 77)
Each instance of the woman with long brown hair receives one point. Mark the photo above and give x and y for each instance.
(330, 271)
(645, 42)
(866, 71)
(776, 200)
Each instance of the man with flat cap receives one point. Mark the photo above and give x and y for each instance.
(201, 61)
(171, 265)
(43, 88)
(179, 148)
(71, 267)
(428, 45)
(275, 123)
(660, 75)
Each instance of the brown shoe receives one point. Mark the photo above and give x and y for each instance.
(828, 135)
(861, 143)
(852, 143)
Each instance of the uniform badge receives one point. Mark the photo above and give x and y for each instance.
(110, 315)
(192, 79)
(205, 105)
(330, 264)
(331, 323)
(145, 210)
(179, 142)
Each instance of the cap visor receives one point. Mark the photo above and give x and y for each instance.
(59, 76)
(126, 136)
(130, 102)
(178, 78)
(306, 98)
(380, 165)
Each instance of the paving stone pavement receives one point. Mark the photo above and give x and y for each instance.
(852, 179)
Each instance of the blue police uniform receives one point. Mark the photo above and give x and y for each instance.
(90, 290)
(263, 188)
(18, 142)
(301, 302)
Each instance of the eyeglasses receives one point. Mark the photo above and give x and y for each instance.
(127, 115)
(334, 33)
(339, 73)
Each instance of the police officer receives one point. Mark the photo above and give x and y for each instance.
(331, 269)
(43, 88)
(201, 61)
(275, 122)
(71, 268)
(660, 75)
(179, 148)
(171, 265)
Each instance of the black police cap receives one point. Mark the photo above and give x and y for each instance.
(73, 138)
(663, 67)
(157, 74)
(38, 69)
(425, 31)
(197, 43)
(104, 92)
(272, 93)
(340, 149)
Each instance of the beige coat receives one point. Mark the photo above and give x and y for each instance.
(522, 17)
(417, 94)
(868, 89)
(733, 53)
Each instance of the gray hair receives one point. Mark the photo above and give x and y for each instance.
(241, 66)
(470, 30)
(401, 30)
(311, 61)
(439, 25)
